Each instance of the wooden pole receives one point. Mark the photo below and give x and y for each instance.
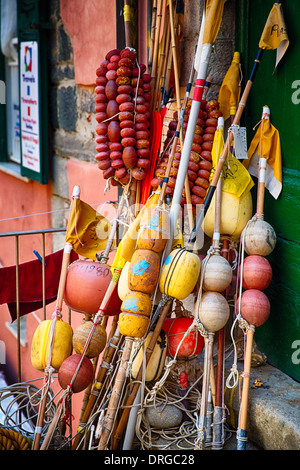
(124, 418)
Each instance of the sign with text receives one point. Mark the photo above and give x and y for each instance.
(29, 94)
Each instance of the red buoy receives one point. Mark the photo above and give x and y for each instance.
(255, 307)
(192, 344)
(82, 378)
(86, 285)
(257, 272)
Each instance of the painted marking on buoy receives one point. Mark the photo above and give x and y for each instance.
(130, 304)
(140, 267)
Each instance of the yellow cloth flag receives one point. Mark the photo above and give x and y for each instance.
(87, 231)
(275, 35)
(266, 144)
(235, 178)
(229, 93)
(213, 19)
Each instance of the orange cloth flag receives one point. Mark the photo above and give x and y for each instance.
(229, 93)
(87, 231)
(266, 144)
(275, 35)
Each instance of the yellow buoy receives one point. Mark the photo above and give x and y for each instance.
(132, 324)
(213, 311)
(97, 340)
(156, 362)
(62, 334)
(235, 213)
(217, 273)
(179, 273)
(137, 302)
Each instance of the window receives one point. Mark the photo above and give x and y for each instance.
(24, 129)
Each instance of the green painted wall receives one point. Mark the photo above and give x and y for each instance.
(279, 337)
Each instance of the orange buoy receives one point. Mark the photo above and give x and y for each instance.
(86, 285)
(175, 329)
(257, 272)
(143, 271)
(255, 307)
(82, 378)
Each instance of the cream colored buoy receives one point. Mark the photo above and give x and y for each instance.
(217, 273)
(235, 213)
(179, 273)
(213, 311)
(123, 288)
(259, 238)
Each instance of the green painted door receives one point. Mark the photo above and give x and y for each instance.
(279, 337)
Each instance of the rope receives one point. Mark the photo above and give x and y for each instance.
(12, 440)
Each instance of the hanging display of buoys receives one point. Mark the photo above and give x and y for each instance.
(257, 272)
(86, 284)
(96, 339)
(213, 311)
(176, 330)
(179, 273)
(235, 213)
(217, 274)
(51, 344)
(77, 372)
(259, 237)
(157, 360)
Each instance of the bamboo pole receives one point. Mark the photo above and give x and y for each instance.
(114, 401)
(130, 400)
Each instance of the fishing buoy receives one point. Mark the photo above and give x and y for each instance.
(132, 324)
(97, 340)
(137, 302)
(217, 274)
(83, 376)
(259, 238)
(86, 285)
(123, 288)
(154, 230)
(164, 416)
(179, 273)
(143, 271)
(235, 213)
(175, 329)
(257, 272)
(213, 311)
(255, 307)
(41, 344)
(156, 362)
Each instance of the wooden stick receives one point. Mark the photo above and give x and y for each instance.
(59, 303)
(115, 396)
(242, 429)
(97, 387)
(124, 418)
(155, 50)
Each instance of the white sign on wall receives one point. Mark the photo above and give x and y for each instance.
(29, 80)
